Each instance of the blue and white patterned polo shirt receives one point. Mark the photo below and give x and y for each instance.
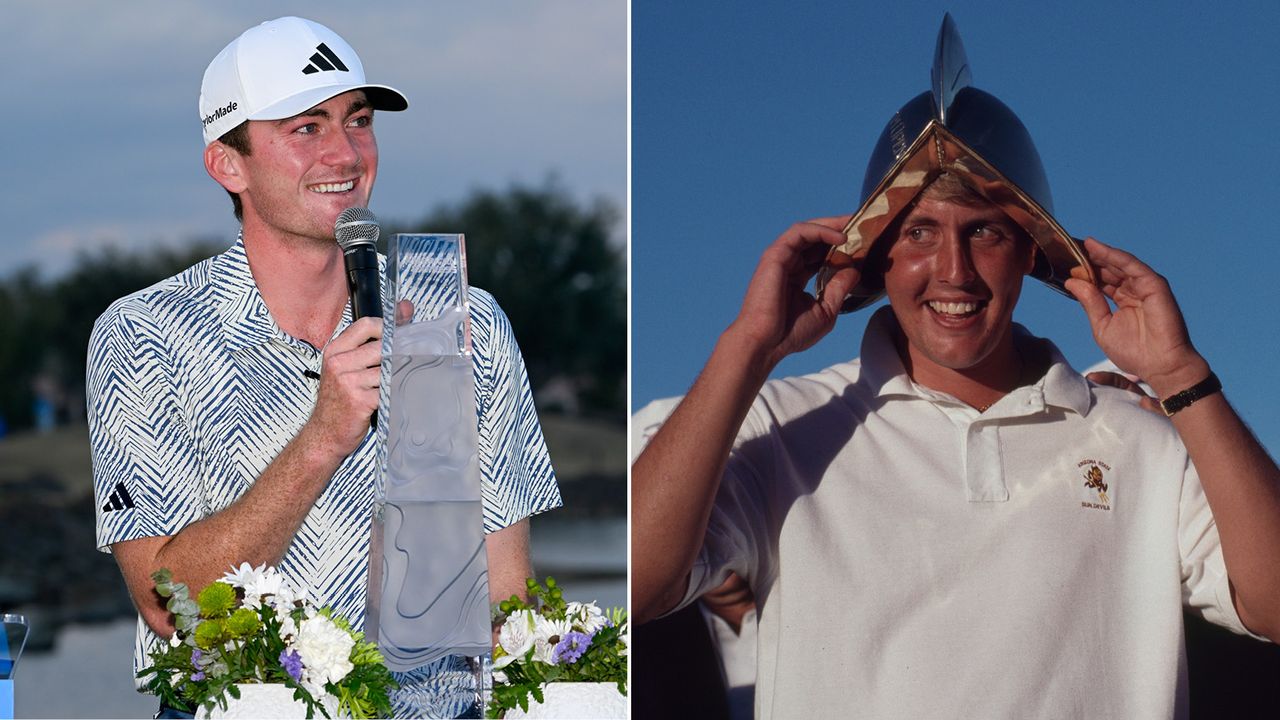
(193, 390)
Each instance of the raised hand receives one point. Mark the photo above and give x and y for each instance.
(777, 314)
(349, 380)
(1145, 335)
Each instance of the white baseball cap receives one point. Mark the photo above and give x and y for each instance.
(279, 69)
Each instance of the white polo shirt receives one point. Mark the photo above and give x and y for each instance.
(914, 558)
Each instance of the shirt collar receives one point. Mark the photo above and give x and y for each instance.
(246, 322)
(883, 371)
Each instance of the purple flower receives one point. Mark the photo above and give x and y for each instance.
(197, 677)
(292, 663)
(570, 647)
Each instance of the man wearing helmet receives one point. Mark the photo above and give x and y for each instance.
(958, 523)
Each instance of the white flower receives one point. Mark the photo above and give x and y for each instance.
(586, 616)
(325, 650)
(546, 635)
(174, 640)
(260, 581)
(287, 600)
(499, 677)
(241, 576)
(288, 628)
(270, 582)
(516, 635)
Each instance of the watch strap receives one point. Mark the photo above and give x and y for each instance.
(1184, 399)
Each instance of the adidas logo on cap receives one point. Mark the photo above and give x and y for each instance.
(324, 60)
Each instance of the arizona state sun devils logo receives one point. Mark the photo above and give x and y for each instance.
(1093, 481)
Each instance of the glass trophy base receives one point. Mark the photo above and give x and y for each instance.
(455, 686)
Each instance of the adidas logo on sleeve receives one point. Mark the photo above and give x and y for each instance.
(118, 500)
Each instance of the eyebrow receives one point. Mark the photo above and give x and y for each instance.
(915, 217)
(317, 112)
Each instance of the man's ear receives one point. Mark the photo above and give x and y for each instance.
(225, 166)
(1032, 250)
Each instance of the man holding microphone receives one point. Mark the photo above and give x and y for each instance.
(229, 405)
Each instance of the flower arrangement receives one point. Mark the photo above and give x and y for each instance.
(549, 640)
(253, 627)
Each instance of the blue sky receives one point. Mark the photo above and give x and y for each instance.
(1155, 126)
(102, 140)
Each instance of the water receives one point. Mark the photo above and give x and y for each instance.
(89, 674)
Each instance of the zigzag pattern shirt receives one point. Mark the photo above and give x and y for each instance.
(193, 390)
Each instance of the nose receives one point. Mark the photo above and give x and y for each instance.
(954, 263)
(341, 150)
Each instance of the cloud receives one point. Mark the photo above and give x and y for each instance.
(55, 252)
(499, 91)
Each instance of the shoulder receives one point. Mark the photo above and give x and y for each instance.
(801, 392)
(1119, 410)
(485, 309)
(166, 302)
(784, 400)
(491, 331)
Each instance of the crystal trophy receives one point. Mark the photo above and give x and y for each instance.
(11, 642)
(428, 600)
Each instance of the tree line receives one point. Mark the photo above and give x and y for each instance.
(547, 258)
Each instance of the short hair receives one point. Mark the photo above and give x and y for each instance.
(237, 138)
(949, 187)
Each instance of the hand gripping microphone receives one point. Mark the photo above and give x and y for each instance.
(356, 231)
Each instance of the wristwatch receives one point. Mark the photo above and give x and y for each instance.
(1183, 400)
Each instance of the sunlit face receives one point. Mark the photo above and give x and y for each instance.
(953, 276)
(305, 170)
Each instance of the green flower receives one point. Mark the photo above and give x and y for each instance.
(365, 653)
(209, 634)
(243, 622)
(216, 600)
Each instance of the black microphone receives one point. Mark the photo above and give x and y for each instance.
(356, 231)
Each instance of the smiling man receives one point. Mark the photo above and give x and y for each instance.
(229, 405)
(957, 523)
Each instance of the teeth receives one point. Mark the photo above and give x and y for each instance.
(953, 308)
(333, 187)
